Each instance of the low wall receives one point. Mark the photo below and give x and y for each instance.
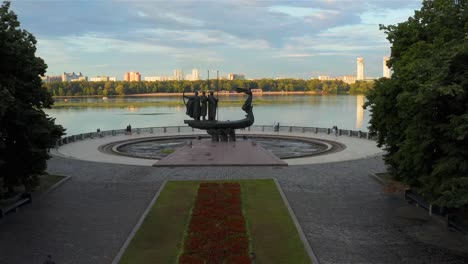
(185, 129)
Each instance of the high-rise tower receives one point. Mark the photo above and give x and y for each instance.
(195, 75)
(178, 75)
(360, 69)
(386, 69)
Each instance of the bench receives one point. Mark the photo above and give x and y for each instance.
(413, 197)
(25, 198)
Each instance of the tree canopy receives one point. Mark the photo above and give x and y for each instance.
(84, 88)
(26, 132)
(420, 114)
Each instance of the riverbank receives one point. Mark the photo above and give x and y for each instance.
(220, 93)
(132, 104)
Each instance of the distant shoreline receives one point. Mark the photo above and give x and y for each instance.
(188, 93)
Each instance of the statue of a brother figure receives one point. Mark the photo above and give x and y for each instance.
(212, 105)
(193, 106)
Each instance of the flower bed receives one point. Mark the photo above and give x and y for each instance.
(217, 230)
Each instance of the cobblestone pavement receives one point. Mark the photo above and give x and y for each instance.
(346, 216)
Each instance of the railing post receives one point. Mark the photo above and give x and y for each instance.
(151, 130)
(263, 128)
(359, 133)
(328, 131)
(178, 129)
(290, 129)
(316, 130)
(350, 133)
(339, 132)
(138, 131)
(165, 129)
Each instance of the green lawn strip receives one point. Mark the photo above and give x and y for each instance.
(273, 234)
(160, 237)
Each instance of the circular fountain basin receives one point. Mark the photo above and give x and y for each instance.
(284, 147)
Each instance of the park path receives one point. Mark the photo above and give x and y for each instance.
(346, 216)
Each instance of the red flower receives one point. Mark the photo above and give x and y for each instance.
(217, 231)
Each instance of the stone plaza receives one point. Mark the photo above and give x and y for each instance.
(345, 214)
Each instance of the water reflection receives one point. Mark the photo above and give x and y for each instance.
(359, 110)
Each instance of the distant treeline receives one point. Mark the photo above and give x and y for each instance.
(127, 88)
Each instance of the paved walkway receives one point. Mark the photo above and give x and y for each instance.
(356, 148)
(346, 216)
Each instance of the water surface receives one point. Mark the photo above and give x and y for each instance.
(344, 111)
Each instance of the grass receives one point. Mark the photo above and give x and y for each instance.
(274, 235)
(159, 239)
(167, 151)
(274, 238)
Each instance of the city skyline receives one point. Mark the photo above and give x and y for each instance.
(262, 39)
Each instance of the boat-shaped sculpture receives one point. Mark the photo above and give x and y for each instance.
(214, 124)
(225, 130)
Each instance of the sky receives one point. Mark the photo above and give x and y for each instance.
(261, 39)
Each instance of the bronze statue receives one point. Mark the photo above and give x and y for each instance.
(204, 106)
(248, 103)
(222, 130)
(212, 106)
(193, 106)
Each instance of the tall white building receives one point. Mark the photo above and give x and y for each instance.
(386, 69)
(158, 78)
(70, 77)
(195, 75)
(178, 75)
(360, 69)
(102, 79)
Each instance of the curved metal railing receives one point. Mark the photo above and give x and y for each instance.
(186, 129)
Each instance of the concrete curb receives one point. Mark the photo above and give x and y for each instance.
(307, 247)
(441, 220)
(137, 226)
(377, 178)
(55, 186)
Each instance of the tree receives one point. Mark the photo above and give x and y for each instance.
(420, 114)
(120, 89)
(26, 132)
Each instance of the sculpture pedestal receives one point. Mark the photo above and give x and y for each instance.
(222, 134)
(204, 152)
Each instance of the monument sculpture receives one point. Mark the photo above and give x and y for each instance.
(219, 130)
(193, 106)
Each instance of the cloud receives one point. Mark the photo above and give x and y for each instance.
(284, 37)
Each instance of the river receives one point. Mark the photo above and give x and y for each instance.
(344, 111)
